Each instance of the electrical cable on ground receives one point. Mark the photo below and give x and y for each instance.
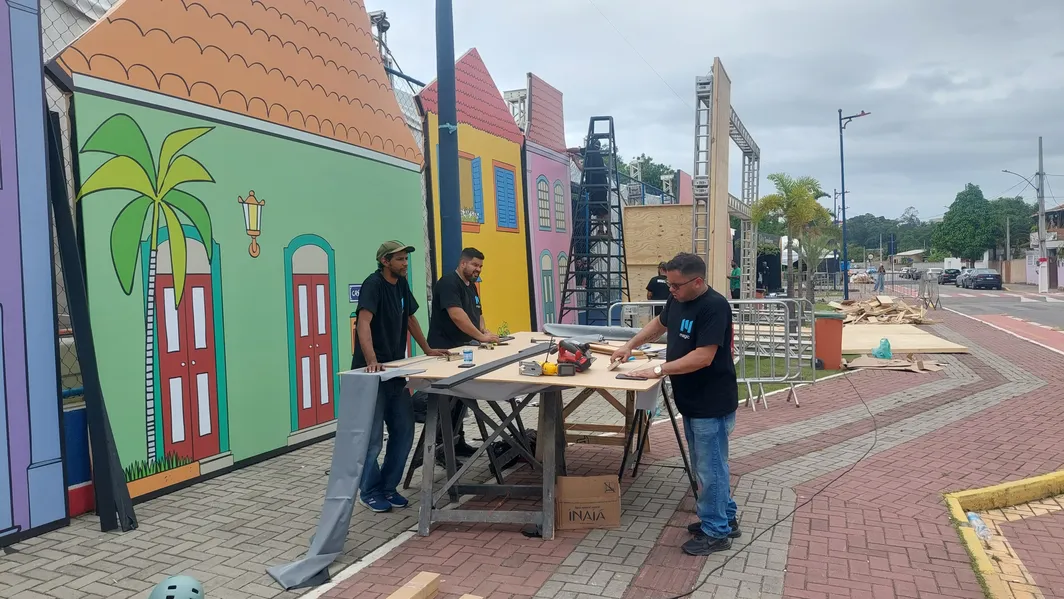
(790, 514)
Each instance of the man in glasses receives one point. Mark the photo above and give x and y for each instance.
(699, 363)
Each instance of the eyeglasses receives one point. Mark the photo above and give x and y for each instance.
(675, 286)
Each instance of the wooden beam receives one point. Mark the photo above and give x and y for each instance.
(423, 586)
(472, 373)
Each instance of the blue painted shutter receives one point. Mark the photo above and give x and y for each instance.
(505, 198)
(478, 190)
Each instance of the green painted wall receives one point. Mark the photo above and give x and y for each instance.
(353, 203)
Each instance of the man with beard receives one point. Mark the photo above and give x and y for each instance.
(386, 308)
(456, 318)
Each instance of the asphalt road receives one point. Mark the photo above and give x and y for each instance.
(1018, 302)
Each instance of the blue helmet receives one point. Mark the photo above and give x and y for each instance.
(178, 587)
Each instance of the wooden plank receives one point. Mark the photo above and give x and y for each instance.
(595, 428)
(904, 339)
(720, 238)
(596, 440)
(423, 586)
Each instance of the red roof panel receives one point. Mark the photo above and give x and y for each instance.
(546, 119)
(480, 103)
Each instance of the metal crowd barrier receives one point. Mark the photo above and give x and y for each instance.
(774, 342)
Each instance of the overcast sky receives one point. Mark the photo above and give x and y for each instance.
(958, 89)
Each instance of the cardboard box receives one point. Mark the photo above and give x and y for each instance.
(585, 502)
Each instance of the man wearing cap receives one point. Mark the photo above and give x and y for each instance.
(386, 308)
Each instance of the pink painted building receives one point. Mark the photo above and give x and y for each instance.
(549, 197)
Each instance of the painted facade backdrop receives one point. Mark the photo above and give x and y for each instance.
(492, 186)
(239, 163)
(549, 198)
(32, 489)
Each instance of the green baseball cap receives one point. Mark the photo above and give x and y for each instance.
(391, 247)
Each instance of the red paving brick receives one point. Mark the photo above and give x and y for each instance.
(1039, 543)
(1030, 330)
(880, 531)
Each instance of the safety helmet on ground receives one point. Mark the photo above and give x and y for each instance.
(178, 587)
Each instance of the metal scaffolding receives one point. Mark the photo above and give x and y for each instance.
(597, 276)
(737, 207)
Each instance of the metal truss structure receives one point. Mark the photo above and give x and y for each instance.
(737, 207)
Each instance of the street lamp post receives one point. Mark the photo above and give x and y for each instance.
(843, 121)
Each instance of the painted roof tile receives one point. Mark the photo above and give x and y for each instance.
(546, 119)
(310, 65)
(480, 103)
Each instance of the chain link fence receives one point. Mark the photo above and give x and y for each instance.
(62, 21)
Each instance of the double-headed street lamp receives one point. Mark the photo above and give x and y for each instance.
(843, 121)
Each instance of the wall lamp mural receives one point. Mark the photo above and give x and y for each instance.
(252, 220)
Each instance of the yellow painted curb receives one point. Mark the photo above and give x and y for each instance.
(992, 498)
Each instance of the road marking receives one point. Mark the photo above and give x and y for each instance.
(1006, 331)
(1054, 300)
(965, 295)
(1024, 298)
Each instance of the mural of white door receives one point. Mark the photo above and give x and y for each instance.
(546, 274)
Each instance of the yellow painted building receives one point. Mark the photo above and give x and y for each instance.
(492, 191)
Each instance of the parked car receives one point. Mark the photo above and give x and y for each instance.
(984, 278)
(933, 273)
(965, 273)
(907, 272)
(948, 276)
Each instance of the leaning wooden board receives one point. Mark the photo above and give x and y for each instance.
(904, 339)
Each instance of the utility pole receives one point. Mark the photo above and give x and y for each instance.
(1008, 239)
(450, 190)
(1043, 264)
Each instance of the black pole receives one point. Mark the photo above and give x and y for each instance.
(113, 504)
(845, 253)
(450, 193)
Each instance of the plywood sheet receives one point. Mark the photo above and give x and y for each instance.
(904, 339)
(596, 377)
(719, 149)
(656, 233)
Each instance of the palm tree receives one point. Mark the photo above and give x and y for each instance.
(794, 203)
(132, 168)
(815, 238)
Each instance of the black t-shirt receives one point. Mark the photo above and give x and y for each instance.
(659, 288)
(391, 306)
(452, 292)
(711, 392)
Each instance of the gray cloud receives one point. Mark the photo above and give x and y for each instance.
(958, 89)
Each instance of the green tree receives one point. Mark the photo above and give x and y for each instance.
(651, 171)
(815, 239)
(966, 231)
(1019, 215)
(158, 202)
(795, 205)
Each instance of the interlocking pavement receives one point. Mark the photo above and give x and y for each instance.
(841, 498)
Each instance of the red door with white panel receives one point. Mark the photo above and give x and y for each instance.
(187, 367)
(313, 341)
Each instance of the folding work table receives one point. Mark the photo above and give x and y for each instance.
(446, 382)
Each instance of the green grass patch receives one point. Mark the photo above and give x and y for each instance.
(144, 468)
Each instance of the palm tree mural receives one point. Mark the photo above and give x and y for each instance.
(158, 201)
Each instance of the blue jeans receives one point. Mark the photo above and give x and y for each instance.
(707, 439)
(394, 408)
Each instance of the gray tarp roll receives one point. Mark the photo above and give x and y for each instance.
(358, 402)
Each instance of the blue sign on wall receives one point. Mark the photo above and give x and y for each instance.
(352, 292)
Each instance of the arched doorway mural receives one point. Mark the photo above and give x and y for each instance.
(546, 268)
(190, 368)
(310, 284)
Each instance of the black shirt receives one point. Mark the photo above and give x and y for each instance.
(711, 392)
(451, 291)
(391, 306)
(659, 288)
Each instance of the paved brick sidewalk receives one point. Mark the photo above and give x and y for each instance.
(1039, 543)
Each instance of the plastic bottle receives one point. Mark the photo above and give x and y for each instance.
(980, 527)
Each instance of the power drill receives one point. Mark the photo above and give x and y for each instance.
(579, 355)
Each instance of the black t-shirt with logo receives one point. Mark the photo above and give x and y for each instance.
(391, 306)
(659, 288)
(451, 291)
(711, 392)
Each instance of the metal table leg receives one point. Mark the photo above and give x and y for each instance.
(428, 465)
